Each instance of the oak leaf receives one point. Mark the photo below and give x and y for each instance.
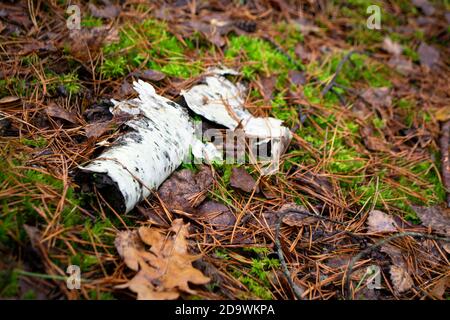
(166, 268)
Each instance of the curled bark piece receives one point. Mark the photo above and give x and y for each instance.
(219, 100)
(158, 139)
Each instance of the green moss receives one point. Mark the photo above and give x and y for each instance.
(40, 142)
(289, 37)
(410, 53)
(90, 22)
(96, 295)
(99, 231)
(151, 43)
(71, 82)
(114, 67)
(283, 111)
(258, 56)
(9, 284)
(258, 283)
(346, 161)
(24, 211)
(379, 123)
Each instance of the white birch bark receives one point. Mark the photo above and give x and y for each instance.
(159, 139)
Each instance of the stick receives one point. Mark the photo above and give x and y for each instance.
(338, 70)
(445, 157)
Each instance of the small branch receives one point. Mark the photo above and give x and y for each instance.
(338, 70)
(445, 157)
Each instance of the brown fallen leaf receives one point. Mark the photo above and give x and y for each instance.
(109, 11)
(153, 215)
(425, 6)
(95, 130)
(242, 180)
(297, 77)
(395, 254)
(216, 214)
(372, 142)
(129, 247)
(37, 47)
(318, 182)
(439, 288)
(185, 190)
(379, 221)
(378, 97)
(165, 270)
(428, 55)
(401, 279)
(434, 218)
(150, 75)
(402, 65)
(10, 101)
(267, 87)
(293, 219)
(86, 43)
(55, 111)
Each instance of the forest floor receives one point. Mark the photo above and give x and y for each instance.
(369, 110)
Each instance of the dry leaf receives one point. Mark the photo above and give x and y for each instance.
(10, 101)
(428, 55)
(372, 142)
(401, 279)
(401, 64)
(434, 218)
(378, 97)
(268, 86)
(379, 221)
(109, 11)
(425, 6)
(395, 254)
(166, 269)
(95, 130)
(242, 180)
(293, 219)
(185, 190)
(440, 287)
(297, 77)
(150, 75)
(442, 113)
(216, 214)
(55, 111)
(87, 42)
(128, 245)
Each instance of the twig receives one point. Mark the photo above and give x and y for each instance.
(445, 157)
(376, 245)
(338, 70)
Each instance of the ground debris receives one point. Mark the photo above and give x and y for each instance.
(378, 221)
(165, 270)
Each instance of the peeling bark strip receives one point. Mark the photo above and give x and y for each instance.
(158, 141)
(221, 101)
(445, 158)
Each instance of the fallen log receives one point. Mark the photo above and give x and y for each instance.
(160, 136)
(157, 140)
